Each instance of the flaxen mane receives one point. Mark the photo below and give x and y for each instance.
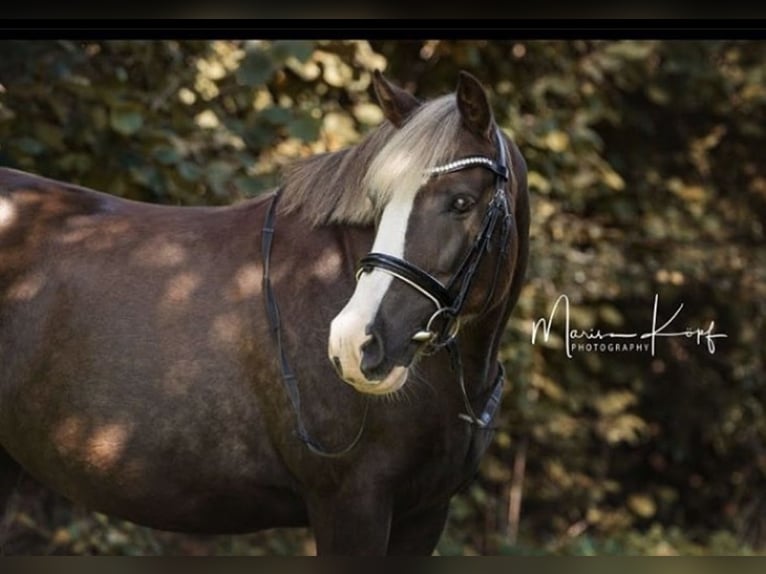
(352, 185)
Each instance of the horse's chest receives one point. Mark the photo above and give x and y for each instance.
(448, 469)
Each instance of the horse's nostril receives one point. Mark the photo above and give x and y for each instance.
(373, 355)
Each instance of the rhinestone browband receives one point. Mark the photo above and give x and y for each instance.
(462, 163)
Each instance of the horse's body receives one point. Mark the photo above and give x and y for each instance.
(138, 374)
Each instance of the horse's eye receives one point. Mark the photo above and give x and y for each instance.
(462, 204)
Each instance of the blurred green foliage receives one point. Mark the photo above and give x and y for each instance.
(646, 168)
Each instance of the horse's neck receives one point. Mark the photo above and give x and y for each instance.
(479, 347)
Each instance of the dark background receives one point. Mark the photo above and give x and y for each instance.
(646, 169)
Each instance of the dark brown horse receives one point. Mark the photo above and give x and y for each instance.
(140, 364)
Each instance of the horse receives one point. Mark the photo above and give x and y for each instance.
(324, 354)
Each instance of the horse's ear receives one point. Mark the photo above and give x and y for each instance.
(473, 105)
(397, 104)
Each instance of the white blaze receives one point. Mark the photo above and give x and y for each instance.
(394, 177)
(348, 329)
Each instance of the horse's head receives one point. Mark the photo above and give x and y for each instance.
(446, 243)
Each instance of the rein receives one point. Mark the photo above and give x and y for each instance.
(288, 376)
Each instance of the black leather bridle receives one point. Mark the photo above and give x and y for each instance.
(449, 299)
(444, 324)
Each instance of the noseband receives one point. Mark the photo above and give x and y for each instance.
(444, 324)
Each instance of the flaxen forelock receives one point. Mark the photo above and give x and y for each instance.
(353, 185)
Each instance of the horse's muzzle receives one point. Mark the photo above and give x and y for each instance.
(359, 357)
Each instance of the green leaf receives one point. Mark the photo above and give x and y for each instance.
(304, 128)
(147, 176)
(276, 115)
(52, 136)
(301, 50)
(75, 162)
(256, 68)
(259, 136)
(218, 174)
(125, 120)
(252, 186)
(630, 49)
(166, 155)
(189, 171)
(30, 146)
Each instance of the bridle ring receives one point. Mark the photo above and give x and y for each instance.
(453, 321)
